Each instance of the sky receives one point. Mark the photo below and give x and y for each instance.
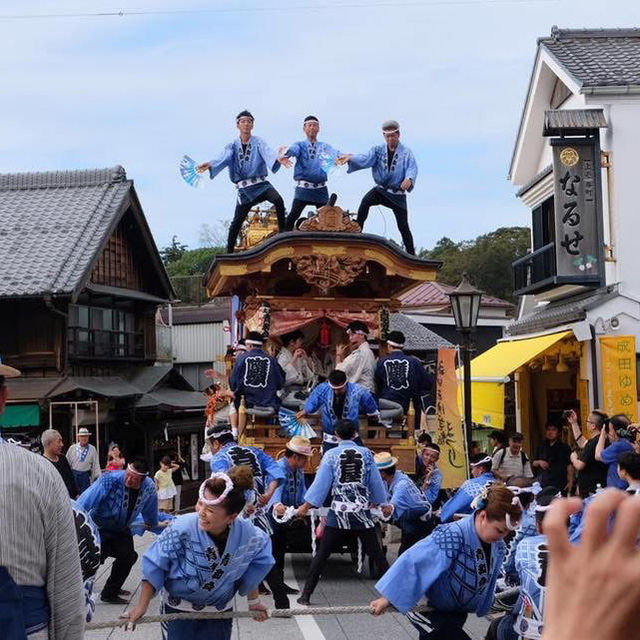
(142, 90)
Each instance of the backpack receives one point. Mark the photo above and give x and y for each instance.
(523, 457)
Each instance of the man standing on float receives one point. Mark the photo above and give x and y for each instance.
(249, 160)
(309, 175)
(394, 171)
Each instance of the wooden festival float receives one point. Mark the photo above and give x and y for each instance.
(318, 279)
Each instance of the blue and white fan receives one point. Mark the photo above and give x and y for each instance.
(328, 159)
(189, 172)
(292, 426)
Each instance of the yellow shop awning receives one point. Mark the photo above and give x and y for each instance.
(490, 369)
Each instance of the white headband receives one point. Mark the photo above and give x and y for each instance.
(518, 490)
(227, 489)
(255, 343)
(391, 343)
(218, 434)
(483, 461)
(541, 509)
(339, 386)
(357, 332)
(138, 473)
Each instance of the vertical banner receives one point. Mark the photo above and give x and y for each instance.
(619, 385)
(449, 433)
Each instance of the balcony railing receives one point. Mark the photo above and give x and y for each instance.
(535, 271)
(105, 344)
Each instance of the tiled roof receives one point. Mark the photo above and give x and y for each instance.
(437, 294)
(418, 338)
(597, 57)
(560, 312)
(52, 225)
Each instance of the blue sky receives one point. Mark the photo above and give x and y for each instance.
(140, 91)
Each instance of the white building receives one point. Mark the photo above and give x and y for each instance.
(582, 279)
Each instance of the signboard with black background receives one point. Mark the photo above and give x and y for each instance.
(576, 167)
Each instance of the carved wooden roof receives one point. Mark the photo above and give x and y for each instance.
(318, 263)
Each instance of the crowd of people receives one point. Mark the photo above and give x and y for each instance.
(503, 529)
(249, 159)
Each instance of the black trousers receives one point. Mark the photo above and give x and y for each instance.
(119, 546)
(370, 545)
(275, 577)
(439, 625)
(376, 197)
(409, 539)
(242, 210)
(297, 207)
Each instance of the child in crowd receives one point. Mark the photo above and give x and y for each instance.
(164, 484)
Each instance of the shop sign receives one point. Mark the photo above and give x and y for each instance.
(577, 208)
(619, 384)
(449, 434)
(195, 456)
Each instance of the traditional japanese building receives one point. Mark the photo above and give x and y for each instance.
(80, 283)
(574, 163)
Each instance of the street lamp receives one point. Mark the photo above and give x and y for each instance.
(465, 305)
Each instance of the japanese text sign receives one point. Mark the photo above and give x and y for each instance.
(618, 354)
(577, 207)
(449, 433)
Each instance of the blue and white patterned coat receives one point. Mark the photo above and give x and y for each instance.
(401, 378)
(358, 398)
(246, 164)
(461, 500)
(403, 166)
(409, 503)
(194, 573)
(308, 168)
(526, 529)
(107, 502)
(449, 567)
(257, 376)
(291, 490)
(350, 473)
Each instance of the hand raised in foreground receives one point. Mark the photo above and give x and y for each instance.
(593, 589)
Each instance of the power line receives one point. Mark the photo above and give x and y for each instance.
(308, 7)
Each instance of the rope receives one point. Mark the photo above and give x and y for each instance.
(273, 613)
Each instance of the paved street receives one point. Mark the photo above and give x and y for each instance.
(340, 586)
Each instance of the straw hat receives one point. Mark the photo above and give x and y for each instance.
(83, 431)
(384, 460)
(8, 372)
(301, 445)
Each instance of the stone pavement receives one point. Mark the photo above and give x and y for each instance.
(339, 586)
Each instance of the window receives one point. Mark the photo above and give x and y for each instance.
(103, 332)
(543, 224)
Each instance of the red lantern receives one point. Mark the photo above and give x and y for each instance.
(324, 338)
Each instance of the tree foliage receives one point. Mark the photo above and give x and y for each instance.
(193, 261)
(487, 259)
(173, 252)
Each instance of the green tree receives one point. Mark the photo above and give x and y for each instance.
(173, 252)
(193, 261)
(487, 259)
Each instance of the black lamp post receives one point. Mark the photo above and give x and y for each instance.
(465, 305)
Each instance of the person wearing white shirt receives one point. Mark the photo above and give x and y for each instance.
(84, 461)
(512, 460)
(360, 364)
(295, 362)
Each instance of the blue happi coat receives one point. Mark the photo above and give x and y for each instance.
(401, 378)
(264, 467)
(531, 564)
(247, 164)
(461, 500)
(107, 502)
(257, 376)
(433, 488)
(409, 504)
(359, 399)
(291, 490)
(403, 166)
(527, 529)
(186, 564)
(449, 567)
(308, 168)
(349, 472)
